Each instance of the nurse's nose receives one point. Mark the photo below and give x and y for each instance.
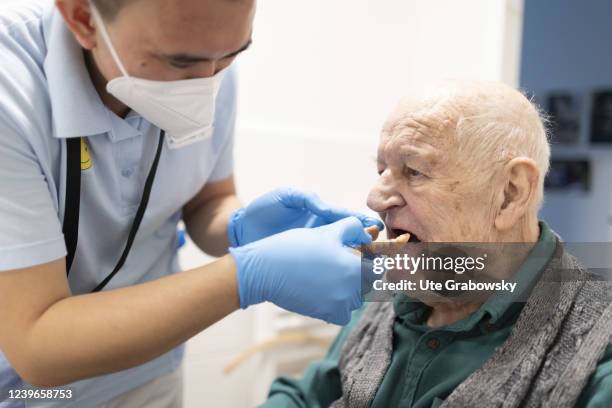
(384, 196)
(203, 70)
(208, 69)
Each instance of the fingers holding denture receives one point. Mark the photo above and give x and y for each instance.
(374, 232)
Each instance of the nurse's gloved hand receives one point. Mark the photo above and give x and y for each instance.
(284, 209)
(308, 270)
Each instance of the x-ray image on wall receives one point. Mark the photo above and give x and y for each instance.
(601, 117)
(564, 111)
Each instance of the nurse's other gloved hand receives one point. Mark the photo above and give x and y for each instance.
(284, 209)
(308, 270)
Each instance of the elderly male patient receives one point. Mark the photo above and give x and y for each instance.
(465, 162)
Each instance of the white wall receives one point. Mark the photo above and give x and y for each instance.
(339, 66)
(314, 90)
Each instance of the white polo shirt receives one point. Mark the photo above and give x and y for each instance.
(46, 96)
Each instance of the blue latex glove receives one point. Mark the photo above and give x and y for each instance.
(285, 209)
(307, 270)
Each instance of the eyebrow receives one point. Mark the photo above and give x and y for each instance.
(190, 59)
(408, 156)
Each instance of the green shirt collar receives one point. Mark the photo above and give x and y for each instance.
(526, 277)
(502, 303)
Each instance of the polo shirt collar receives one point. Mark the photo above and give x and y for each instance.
(77, 109)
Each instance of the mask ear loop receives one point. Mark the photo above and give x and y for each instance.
(100, 23)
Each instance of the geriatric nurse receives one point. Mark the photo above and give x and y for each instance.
(117, 121)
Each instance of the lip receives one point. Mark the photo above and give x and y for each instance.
(394, 230)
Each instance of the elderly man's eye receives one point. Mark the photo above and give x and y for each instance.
(410, 172)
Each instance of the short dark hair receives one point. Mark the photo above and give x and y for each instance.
(109, 8)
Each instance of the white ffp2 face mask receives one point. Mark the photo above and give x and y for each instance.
(185, 109)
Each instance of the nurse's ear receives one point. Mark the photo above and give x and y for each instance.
(79, 20)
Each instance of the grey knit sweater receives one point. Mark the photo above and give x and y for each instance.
(553, 348)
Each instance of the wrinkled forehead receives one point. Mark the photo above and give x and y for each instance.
(418, 137)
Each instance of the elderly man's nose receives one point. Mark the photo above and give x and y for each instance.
(383, 197)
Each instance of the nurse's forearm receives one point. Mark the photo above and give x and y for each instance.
(94, 334)
(207, 225)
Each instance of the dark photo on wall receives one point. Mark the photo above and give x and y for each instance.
(564, 111)
(601, 117)
(569, 175)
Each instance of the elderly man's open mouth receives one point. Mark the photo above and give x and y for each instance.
(394, 231)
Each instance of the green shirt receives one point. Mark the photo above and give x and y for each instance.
(429, 363)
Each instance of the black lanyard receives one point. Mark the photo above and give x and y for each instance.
(73, 201)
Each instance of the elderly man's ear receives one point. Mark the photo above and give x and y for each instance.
(520, 178)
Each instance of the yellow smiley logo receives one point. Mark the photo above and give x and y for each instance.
(86, 161)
